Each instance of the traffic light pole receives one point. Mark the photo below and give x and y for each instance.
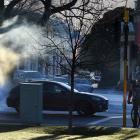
(126, 31)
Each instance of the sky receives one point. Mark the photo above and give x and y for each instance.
(131, 3)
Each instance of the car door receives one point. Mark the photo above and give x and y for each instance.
(56, 97)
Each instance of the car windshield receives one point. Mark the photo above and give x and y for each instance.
(60, 79)
(83, 88)
(67, 86)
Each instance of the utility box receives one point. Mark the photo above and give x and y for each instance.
(31, 103)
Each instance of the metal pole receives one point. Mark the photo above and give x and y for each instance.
(126, 32)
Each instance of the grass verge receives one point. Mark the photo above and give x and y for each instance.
(50, 133)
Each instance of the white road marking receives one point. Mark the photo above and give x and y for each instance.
(107, 119)
(100, 121)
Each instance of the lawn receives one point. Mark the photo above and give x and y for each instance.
(52, 133)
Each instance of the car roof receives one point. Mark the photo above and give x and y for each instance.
(49, 81)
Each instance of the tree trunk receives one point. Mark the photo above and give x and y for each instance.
(45, 17)
(71, 107)
(1, 11)
(10, 7)
(47, 12)
(1, 5)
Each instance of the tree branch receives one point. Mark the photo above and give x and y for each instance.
(64, 7)
(10, 7)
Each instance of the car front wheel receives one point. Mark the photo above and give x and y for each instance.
(85, 109)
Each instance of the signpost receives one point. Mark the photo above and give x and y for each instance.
(126, 32)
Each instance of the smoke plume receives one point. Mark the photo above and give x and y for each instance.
(18, 40)
(8, 60)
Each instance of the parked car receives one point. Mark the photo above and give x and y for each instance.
(84, 87)
(96, 78)
(95, 85)
(56, 96)
(27, 75)
(83, 81)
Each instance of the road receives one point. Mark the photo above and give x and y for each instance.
(115, 101)
(113, 117)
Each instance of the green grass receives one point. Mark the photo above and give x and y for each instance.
(58, 133)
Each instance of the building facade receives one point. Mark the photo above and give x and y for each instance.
(133, 48)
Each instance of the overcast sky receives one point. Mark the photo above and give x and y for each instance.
(131, 3)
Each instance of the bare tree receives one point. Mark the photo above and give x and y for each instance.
(46, 8)
(78, 16)
(78, 22)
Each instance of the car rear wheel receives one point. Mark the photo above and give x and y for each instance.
(85, 109)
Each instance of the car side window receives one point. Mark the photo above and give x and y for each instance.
(52, 88)
(58, 89)
(48, 88)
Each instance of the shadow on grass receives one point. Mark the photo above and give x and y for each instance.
(78, 132)
(88, 132)
(9, 128)
(130, 134)
(59, 132)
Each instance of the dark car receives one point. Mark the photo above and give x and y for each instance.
(56, 96)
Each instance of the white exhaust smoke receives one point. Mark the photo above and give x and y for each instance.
(18, 40)
(4, 90)
(8, 60)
